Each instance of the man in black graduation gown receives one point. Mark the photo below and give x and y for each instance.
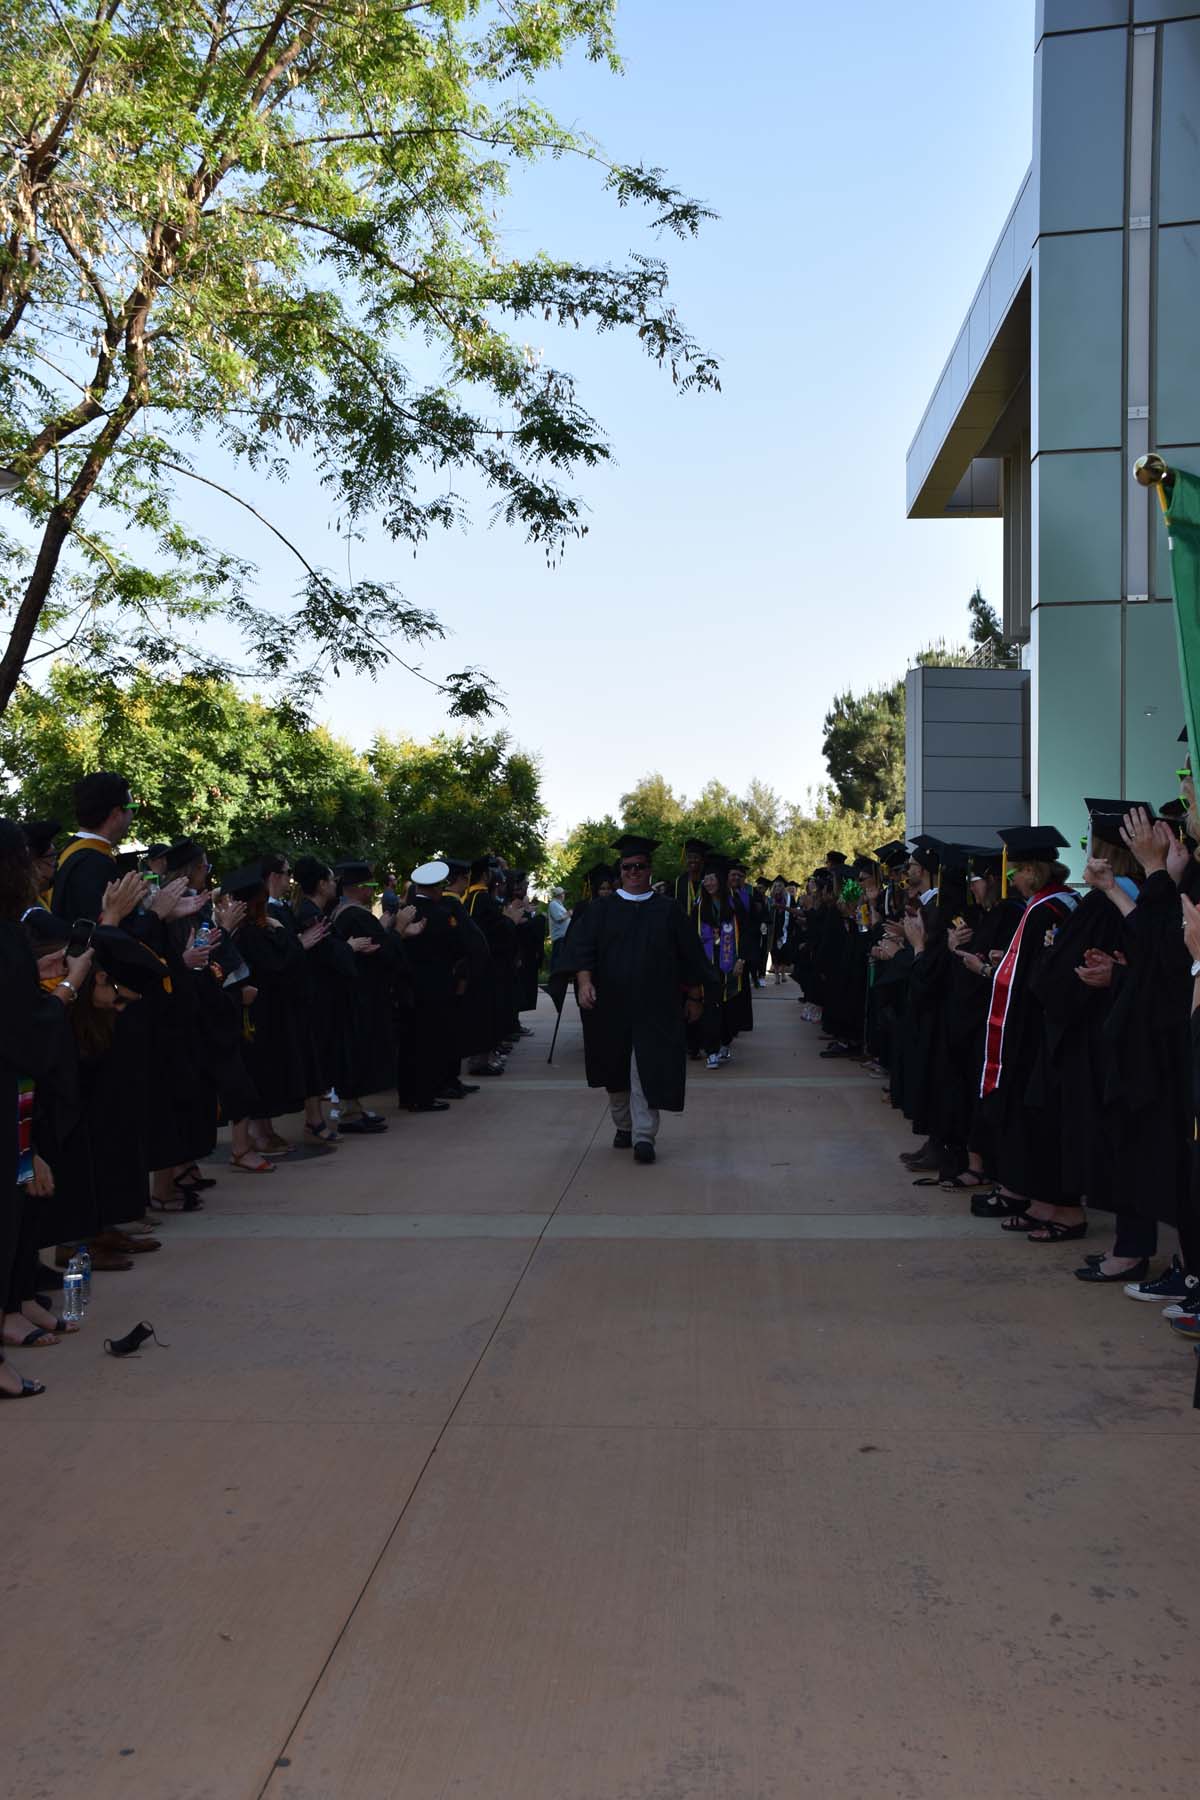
(474, 996)
(686, 887)
(86, 864)
(429, 1055)
(639, 971)
(382, 972)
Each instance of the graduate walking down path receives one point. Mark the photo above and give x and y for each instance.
(507, 1470)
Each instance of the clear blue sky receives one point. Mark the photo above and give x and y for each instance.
(748, 554)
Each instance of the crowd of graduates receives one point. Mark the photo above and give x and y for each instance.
(1042, 1039)
(147, 1000)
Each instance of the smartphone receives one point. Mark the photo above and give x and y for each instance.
(81, 937)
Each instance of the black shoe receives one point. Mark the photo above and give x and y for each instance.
(458, 1090)
(524, 1031)
(643, 1151)
(429, 1106)
(997, 1206)
(1093, 1272)
(622, 1140)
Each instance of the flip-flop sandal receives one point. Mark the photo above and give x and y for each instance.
(261, 1167)
(192, 1178)
(957, 1185)
(28, 1388)
(324, 1134)
(39, 1338)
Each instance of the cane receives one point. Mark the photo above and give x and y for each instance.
(554, 1039)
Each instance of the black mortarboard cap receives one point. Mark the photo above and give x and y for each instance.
(1183, 736)
(1173, 809)
(1032, 843)
(984, 859)
(46, 929)
(244, 883)
(182, 854)
(630, 844)
(927, 852)
(595, 877)
(717, 863)
(157, 850)
(693, 846)
(126, 960)
(1106, 816)
(353, 870)
(954, 859)
(40, 834)
(457, 865)
(835, 858)
(890, 855)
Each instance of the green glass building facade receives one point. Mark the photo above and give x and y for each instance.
(1078, 354)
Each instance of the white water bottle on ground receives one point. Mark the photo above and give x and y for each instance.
(73, 1293)
(83, 1258)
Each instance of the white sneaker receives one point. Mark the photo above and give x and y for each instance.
(714, 1061)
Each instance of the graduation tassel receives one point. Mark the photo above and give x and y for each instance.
(1004, 871)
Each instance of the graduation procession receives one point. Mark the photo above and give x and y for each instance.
(150, 1003)
(1041, 1039)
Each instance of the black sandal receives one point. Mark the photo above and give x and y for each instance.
(192, 1178)
(955, 1184)
(1021, 1221)
(28, 1388)
(324, 1134)
(1056, 1233)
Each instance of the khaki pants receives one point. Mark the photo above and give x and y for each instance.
(631, 1111)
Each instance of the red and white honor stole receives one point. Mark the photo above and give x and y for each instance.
(1002, 987)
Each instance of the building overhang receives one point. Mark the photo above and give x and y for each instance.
(949, 473)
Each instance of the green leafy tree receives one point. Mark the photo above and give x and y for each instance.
(245, 777)
(864, 749)
(987, 630)
(238, 226)
(461, 796)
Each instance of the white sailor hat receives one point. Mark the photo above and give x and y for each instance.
(429, 874)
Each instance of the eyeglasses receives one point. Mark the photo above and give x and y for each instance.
(1183, 774)
(633, 867)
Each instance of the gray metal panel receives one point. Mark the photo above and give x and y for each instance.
(1179, 141)
(1147, 12)
(1177, 375)
(959, 737)
(973, 774)
(967, 804)
(1077, 401)
(1079, 131)
(1078, 15)
(1077, 527)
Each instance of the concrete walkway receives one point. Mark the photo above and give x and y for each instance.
(484, 1464)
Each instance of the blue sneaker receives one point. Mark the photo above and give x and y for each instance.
(1170, 1285)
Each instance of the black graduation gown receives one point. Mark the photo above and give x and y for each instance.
(474, 1007)
(727, 1004)
(1147, 1100)
(500, 934)
(182, 1123)
(686, 894)
(33, 1046)
(429, 1050)
(1069, 1075)
(274, 1047)
(963, 1020)
(380, 975)
(79, 883)
(331, 972)
(531, 948)
(642, 954)
(1028, 1136)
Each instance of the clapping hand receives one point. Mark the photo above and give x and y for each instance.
(229, 914)
(196, 955)
(315, 933)
(1098, 873)
(1147, 840)
(958, 936)
(1191, 926)
(121, 897)
(361, 946)
(914, 930)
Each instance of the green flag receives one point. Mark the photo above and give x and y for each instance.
(1182, 511)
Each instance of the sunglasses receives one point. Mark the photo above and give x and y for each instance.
(634, 866)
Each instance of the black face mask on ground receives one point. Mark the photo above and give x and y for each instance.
(131, 1343)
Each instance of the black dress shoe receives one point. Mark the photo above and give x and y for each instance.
(429, 1106)
(622, 1140)
(643, 1151)
(1093, 1272)
(458, 1090)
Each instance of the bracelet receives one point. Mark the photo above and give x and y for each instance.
(73, 991)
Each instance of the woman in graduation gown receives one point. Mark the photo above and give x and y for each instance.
(1028, 1136)
(332, 974)
(989, 923)
(274, 1051)
(721, 928)
(33, 1048)
(381, 989)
